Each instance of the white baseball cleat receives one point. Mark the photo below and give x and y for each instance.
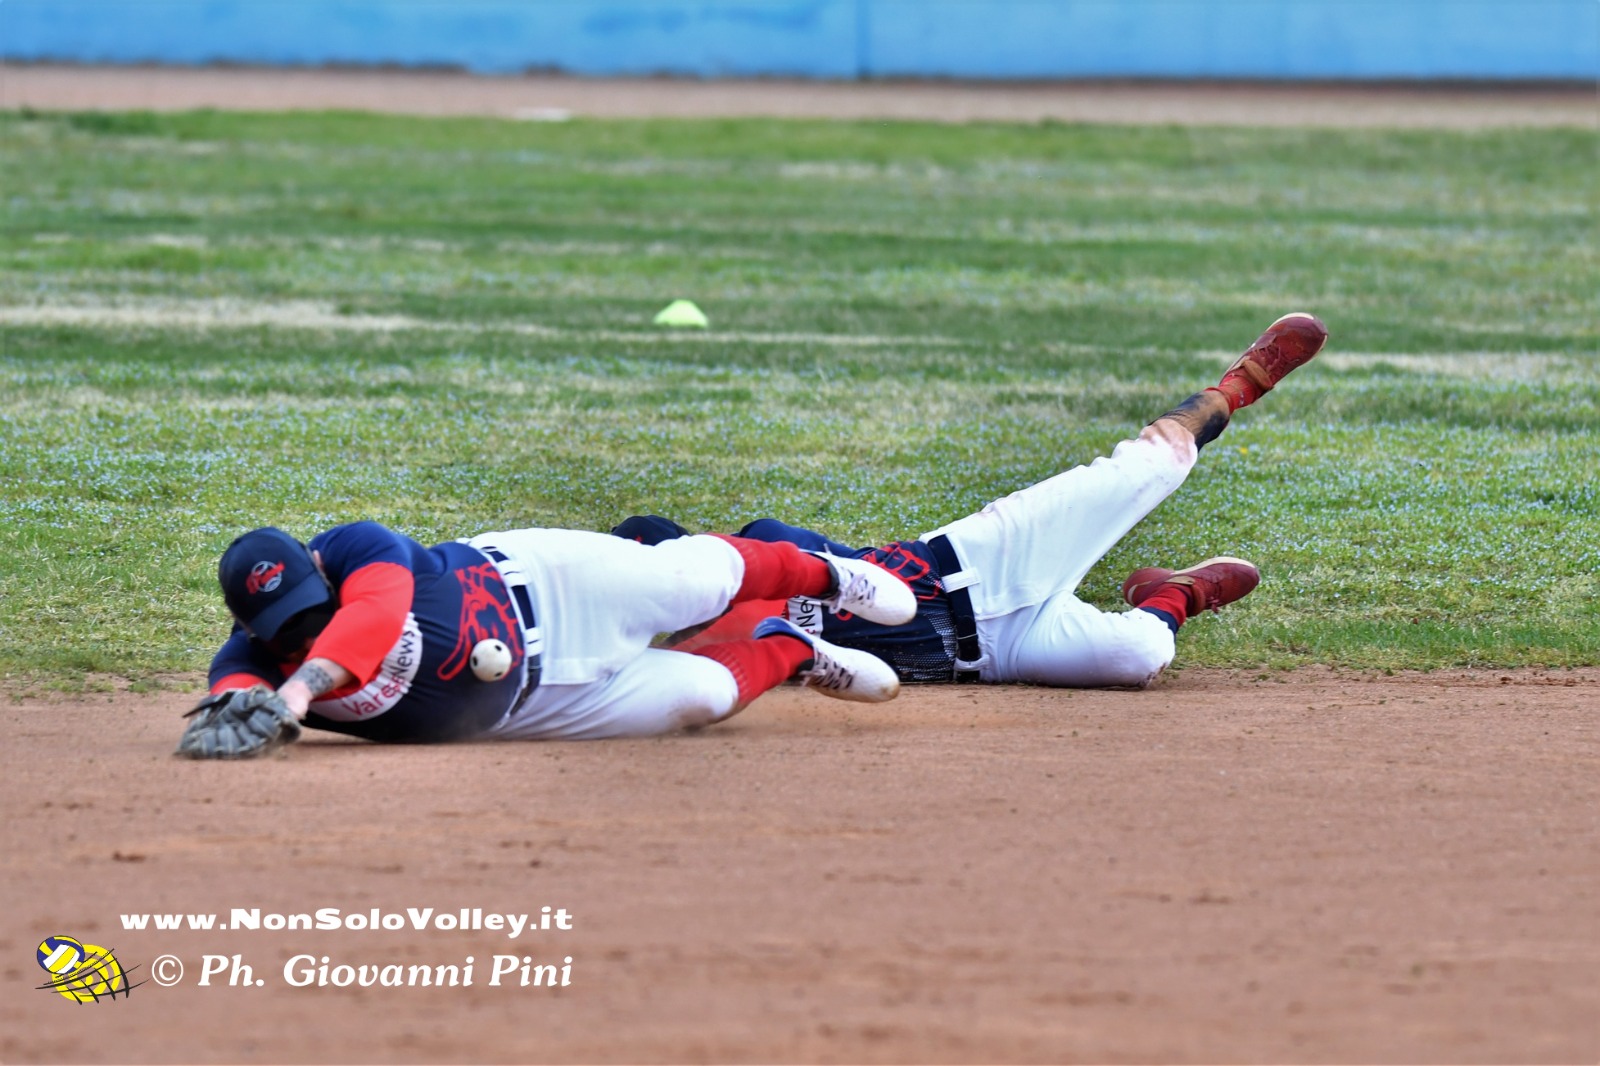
(868, 591)
(843, 673)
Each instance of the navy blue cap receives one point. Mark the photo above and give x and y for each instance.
(267, 577)
(648, 529)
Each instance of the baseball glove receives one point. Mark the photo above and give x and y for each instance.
(241, 723)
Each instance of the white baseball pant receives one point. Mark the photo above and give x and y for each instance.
(1024, 556)
(599, 601)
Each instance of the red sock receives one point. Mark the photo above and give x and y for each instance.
(776, 570)
(759, 665)
(1238, 390)
(1172, 600)
(736, 623)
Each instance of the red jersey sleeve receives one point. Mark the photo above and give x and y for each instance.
(233, 681)
(373, 602)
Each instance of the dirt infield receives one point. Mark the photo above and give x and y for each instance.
(544, 97)
(1312, 867)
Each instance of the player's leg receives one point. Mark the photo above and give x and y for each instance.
(765, 570)
(602, 599)
(741, 619)
(780, 569)
(737, 623)
(621, 589)
(1068, 643)
(653, 529)
(1043, 539)
(663, 691)
(656, 692)
(784, 561)
(779, 650)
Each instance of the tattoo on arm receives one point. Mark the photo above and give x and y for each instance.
(314, 678)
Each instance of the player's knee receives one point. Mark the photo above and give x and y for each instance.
(1131, 668)
(1100, 650)
(693, 718)
(1146, 650)
(711, 696)
(700, 567)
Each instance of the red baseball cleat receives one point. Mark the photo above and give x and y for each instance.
(1288, 343)
(1212, 584)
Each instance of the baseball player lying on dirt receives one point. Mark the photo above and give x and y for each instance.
(524, 634)
(995, 590)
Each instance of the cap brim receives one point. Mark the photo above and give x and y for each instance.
(308, 593)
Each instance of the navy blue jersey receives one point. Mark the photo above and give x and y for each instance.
(922, 650)
(419, 688)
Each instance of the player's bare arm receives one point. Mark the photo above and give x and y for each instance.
(316, 677)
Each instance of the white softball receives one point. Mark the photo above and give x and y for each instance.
(491, 660)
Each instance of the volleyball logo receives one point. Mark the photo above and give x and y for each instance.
(83, 973)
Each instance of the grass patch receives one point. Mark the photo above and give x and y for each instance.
(930, 317)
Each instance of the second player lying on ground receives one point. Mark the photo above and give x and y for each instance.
(996, 591)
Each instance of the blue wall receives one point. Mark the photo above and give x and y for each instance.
(1494, 39)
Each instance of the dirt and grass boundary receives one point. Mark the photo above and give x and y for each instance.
(544, 97)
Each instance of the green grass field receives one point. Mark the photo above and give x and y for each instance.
(213, 321)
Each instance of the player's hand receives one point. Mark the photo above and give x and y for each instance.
(240, 723)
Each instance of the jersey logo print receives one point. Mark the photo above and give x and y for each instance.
(805, 613)
(902, 563)
(486, 613)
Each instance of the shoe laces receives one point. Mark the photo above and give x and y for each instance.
(859, 590)
(832, 675)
